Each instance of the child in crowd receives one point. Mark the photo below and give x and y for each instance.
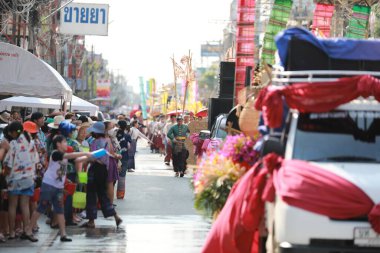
(53, 184)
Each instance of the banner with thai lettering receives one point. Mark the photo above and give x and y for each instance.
(358, 23)
(84, 19)
(278, 20)
(103, 88)
(323, 14)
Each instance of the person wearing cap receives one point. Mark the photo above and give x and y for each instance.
(177, 135)
(97, 179)
(125, 142)
(69, 130)
(33, 130)
(54, 130)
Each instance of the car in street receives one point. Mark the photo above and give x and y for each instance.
(218, 133)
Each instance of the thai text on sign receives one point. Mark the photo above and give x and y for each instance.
(84, 19)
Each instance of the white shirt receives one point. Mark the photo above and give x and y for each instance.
(135, 133)
(55, 175)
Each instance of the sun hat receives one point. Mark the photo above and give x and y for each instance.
(5, 116)
(66, 127)
(49, 120)
(30, 127)
(97, 128)
(57, 120)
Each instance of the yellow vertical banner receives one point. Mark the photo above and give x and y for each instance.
(164, 101)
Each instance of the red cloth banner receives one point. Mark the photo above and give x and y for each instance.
(244, 41)
(322, 19)
(314, 97)
(297, 183)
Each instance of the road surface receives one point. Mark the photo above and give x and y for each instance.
(158, 217)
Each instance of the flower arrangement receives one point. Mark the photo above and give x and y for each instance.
(218, 171)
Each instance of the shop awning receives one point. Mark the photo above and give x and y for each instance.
(77, 104)
(23, 74)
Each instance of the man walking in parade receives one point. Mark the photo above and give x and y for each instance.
(177, 135)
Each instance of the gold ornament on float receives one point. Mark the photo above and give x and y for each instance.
(249, 119)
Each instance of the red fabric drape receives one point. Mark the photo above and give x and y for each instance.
(315, 97)
(299, 184)
(234, 229)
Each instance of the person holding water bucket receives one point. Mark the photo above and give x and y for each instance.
(69, 130)
(52, 187)
(97, 178)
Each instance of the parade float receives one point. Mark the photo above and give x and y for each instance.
(315, 186)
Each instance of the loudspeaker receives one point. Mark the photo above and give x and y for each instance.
(226, 79)
(218, 106)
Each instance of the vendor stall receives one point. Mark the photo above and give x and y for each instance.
(23, 74)
(77, 104)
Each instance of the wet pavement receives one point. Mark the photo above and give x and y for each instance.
(158, 217)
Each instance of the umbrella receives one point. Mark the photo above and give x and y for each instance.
(134, 112)
(202, 113)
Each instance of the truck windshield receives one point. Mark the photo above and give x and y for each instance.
(340, 136)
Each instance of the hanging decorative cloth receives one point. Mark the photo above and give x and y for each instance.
(316, 97)
(278, 20)
(322, 19)
(358, 23)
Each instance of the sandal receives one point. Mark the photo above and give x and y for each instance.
(87, 225)
(31, 237)
(56, 226)
(2, 238)
(118, 222)
(66, 239)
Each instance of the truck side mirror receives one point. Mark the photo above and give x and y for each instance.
(272, 145)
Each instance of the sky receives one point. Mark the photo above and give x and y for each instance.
(144, 34)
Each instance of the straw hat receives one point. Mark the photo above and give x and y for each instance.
(5, 116)
(57, 120)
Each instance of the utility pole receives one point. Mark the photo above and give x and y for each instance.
(14, 21)
(92, 73)
(74, 64)
(53, 49)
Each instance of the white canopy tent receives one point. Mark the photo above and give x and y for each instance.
(23, 74)
(77, 104)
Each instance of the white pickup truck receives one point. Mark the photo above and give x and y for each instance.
(345, 141)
